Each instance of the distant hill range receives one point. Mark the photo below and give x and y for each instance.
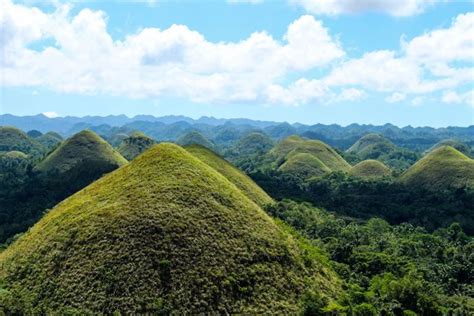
(225, 131)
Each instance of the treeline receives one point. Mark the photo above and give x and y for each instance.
(384, 198)
(388, 270)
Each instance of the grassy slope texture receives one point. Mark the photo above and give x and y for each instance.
(163, 233)
(13, 139)
(134, 145)
(370, 169)
(371, 145)
(194, 138)
(234, 175)
(445, 167)
(83, 149)
(459, 146)
(294, 146)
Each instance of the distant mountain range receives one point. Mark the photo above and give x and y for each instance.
(169, 128)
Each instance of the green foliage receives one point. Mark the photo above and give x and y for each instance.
(370, 169)
(194, 138)
(376, 147)
(304, 166)
(13, 139)
(166, 232)
(50, 140)
(391, 270)
(459, 146)
(443, 168)
(134, 145)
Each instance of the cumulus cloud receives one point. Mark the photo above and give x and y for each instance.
(153, 62)
(50, 114)
(398, 8)
(395, 97)
(181, 62)
(451, 97)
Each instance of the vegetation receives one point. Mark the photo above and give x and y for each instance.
(304, 166)
(376, 147)
(13, 139)
(195, 138)
(134, 145)
(459, 146)
(49, 140)
(234, 175)
(390, 270)
(168, 218)
(294, 145)
(443, 168)
(370, 169)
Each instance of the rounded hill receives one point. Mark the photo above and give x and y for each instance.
(294, 145)
(371, 146)
(443, 168)
(134, 145)
(13, 139)
(370, 169)
(304, 165)
(168, 218)
(254, 143)
(234, 175)
(194, 138)
(83, 150)
(459, 146)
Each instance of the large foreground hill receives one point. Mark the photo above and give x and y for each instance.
(165, 233)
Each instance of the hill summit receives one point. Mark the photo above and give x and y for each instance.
(444, 167)
(371, 146)
(165, 233)
(84, 149)
(370, 169)
(316, 157)
(134, 145)
(13, 139)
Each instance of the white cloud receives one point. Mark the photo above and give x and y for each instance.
(395, 97)
(351, 94)
(451, 97)
(244, 1)
(417, 101)
(152, 62)
(50, 114)
(393, 7)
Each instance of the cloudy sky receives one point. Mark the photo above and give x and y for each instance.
(407, 62)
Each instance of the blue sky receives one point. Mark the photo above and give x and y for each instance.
(406, 62)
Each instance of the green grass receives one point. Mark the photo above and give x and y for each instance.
(445, 167)
(370, 169)
(13, 139)
(370, 144)
(460, 146)
(234, 175)
(165, 232)
(83, 148)
(49, 140)
(134, 145)
(194, 138)
(294, 145)
(305, 166)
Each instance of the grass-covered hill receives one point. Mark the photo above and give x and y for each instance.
(194, 138)
(165, 233)
(234, 175)
(370, 169)
(295, 145)
(49, 140)
(304, 165)
(377, 147)
(460, 146)
(83, 150)
(253, 143)
(372, 145)
(13, 139)
(134, 145)
(444, 167)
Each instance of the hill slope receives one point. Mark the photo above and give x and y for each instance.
(294, 145)
(234, 175)
(445, 167)
(134, 145)
(13, 139)
(304, 165)
(459, 146)
(81, 150)
(370, 169)
(168, 218)
(194, 138)
(371, 146)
